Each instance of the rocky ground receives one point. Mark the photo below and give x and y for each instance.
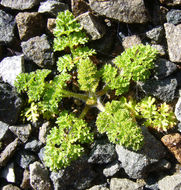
(113, 25)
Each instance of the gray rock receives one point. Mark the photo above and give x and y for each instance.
(7, 25)
(10, 187)
(43, 131)
(152, 182)
(19, 4)
(30, 25)
(22, 131)
(178, 109)
(112, 169)
(8, 173)
(156, 34)
(39, 177)
(172, 182)
(164, 90)
(33, 145)
(52, 7)
(126, 184)
(130, 41)
(25, 184)
(25, 158)
(161, 50)
(92, 25)
(174, 16)
(79, 7)
(10, 104)
(10, 68)
(164, 68)
(171, 2)
(173, 36)
(8, 152)
(103, 153)
(124, 11)
(98, 187)
(41, 154)
(38, 50)
(4, 127)
(79, 176)
(136, 164)
(179, 127)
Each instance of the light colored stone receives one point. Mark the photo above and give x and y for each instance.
(178, 109)
(51, 24)
(171, 2)
(173, 36)
(124, 11)
(10, 68)
(131, 41)
(44, 129)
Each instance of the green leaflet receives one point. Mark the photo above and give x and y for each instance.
(64, 143)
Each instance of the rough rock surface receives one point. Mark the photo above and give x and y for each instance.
(8, 152)
(3, 130)
(79, 7)
(173, 36)
(164, 90)
(39, 179)
(136, 164)
(92, 25)
(10, 104)
(22, 131)
(126, 184)
(131, 41)
(178, 109)
(111, 169)
(98, 187)
(43, 131)
(30, 25)
(174, 16)
(156, 34)
(52, 7)
(38, 50)
(124, 11)
(173, 143)
(171, 2)
(25, 184)
(7, 25)
(33, 145)
(19, 4)
(10, 187)
(10, 68)
(51, 25)
(172, 182)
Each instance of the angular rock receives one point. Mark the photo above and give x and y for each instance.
(79, 175)
(8, 152)
(174, 16)
(112, 169)
(79, 7)
(98, 187)
(136, 164)
(25, 158)
(124, 11)
(39, 177)
(131, 41)
(173, 36)
(43, 131)
(7, 26)
(178, 109)
(8, 173)
(30, 25)
(51, 25)
(10, 187)
(19, 4)
(53, 7)
(126, 184)
(10, 68)
(164, 90)
(38, 50)
(161, 50)
(22, 131)
(10, 104)
(26, 180)
(92, 25)
(41, 155)
(4, 129)
(171, 2)
(33, 145)
(103, 153)
(164, 68)
(156, 34)
(172, 182)
(173, 143)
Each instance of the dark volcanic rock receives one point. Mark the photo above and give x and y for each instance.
(124, 11)
(174, 16)
(19, 4)
(7, 25)
(10, 104)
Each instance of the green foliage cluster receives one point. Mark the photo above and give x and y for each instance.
(117, 119)
(64, 142)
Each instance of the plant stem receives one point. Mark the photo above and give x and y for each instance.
(103, 91)
(84, 112)
(69, 94)
(100, 105)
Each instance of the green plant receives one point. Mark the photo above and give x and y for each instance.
(117, 119)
